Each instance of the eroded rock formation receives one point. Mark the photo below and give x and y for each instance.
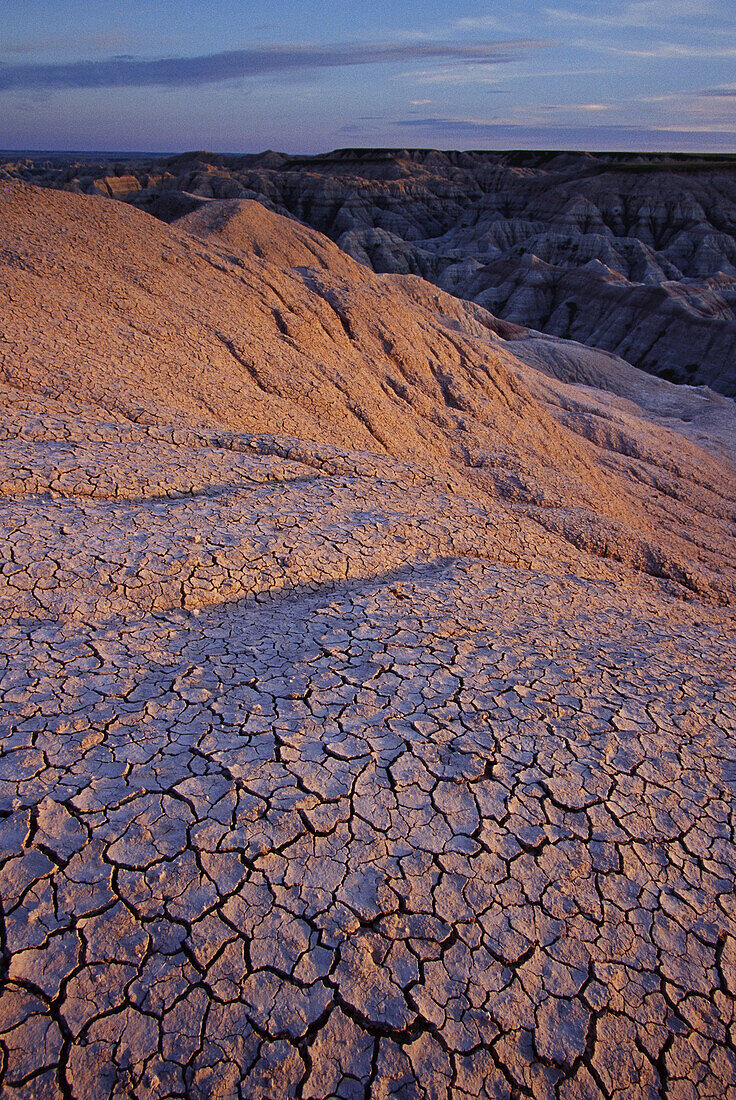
(630, 253)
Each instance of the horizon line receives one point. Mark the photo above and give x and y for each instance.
(591, 150)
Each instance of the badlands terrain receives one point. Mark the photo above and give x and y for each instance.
(368, 665)
(630, 253)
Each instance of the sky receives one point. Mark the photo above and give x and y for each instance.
(305, 76)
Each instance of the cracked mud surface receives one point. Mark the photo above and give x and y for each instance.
(331, 773)
(445, 829)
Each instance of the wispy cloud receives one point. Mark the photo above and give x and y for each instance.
(638, 13)
(99, 42)
(543, 74)
(456, 75)
(674, 51)
(711, 108)
(120, 72)
(562, 116)
(480, 22)
(511, 135)
(457, 125)
(677, 99)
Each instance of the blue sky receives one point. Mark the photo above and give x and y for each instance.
(310, 75)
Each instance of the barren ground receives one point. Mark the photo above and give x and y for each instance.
(368, 688)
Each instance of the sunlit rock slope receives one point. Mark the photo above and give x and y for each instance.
(631, 253)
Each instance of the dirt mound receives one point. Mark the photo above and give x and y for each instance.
(248, 226)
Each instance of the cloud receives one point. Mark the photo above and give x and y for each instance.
(99, 42)
(456, 76)
(179, 72)
(535, 74)
(710, 109)
(639, 13)
(559, 115)
(681, 100)
(480, 22)
(505, 135)
(461, 125)
(674, 51)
